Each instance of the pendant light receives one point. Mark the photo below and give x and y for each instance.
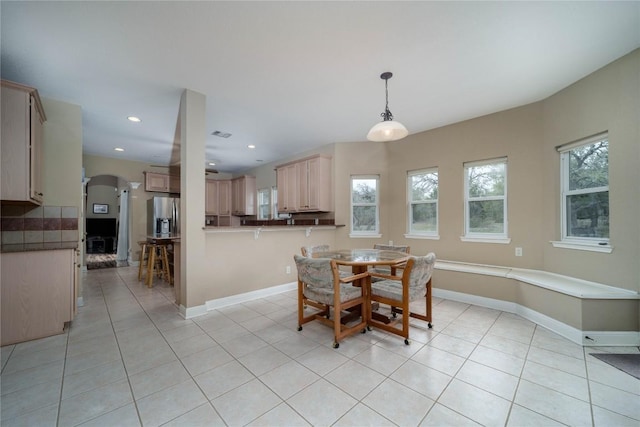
(388, 129)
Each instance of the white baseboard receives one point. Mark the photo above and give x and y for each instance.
(199, 310)
(596, 338)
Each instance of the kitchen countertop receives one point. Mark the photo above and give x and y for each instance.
(43, 246)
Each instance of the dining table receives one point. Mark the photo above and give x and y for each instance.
(360, 260)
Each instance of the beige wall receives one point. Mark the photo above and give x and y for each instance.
(237, 262)
(102, 189)
(514, 134)
(62, 152)
(607, 100)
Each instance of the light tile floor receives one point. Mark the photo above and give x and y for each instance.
(129, 359)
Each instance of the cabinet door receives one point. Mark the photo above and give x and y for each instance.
(303, 186)
(20, 145)
(156, 182)
(244, 195)
(224, 197)
(211, 198)
(36, 301)
(287, 181)
(319, 184)
(35, 154)
(292, 187)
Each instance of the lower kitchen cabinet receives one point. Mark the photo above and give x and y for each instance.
(38, 293)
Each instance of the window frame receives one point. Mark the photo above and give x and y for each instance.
(411, 233)
(485, 237)
(261, 193)
(580, 242)
(371, 233)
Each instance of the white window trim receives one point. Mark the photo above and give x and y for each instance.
(263, 191)
(274, 202)
(486, 238)
(365, 234)
(593, 244)
(423, 236)
(426, 234)
(583, 246)
(501, 238)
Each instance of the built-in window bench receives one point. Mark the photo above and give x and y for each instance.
(585, 312)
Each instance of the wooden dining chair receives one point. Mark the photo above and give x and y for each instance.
(385, 269)
(399, 291)
(321, 287)
(307, 251)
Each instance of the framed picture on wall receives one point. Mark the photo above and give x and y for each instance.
(99, 208)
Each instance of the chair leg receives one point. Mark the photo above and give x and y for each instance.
(142, 265)
(165, 264)
(150, 265)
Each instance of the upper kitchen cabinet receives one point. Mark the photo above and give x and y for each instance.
(21, 144)
(243, 195)
(305, 185)
(287, 182)
(161, 182)
(218, 197)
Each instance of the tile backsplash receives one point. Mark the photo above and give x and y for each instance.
(42, 224)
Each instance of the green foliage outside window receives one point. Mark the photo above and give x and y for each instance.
(587, 190)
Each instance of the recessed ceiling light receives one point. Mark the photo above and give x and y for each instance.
(212, 164)
(251, 146)
(119, 149)
(134, 119)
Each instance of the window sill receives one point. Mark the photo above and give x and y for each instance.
(498, 240)
(365, 236)
(422, 236)
(591, 247)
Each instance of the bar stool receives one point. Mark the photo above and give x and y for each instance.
(143, 258)
(158, 260)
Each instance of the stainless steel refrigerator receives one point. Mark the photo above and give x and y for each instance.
(163, 216)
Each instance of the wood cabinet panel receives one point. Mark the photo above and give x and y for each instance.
(38, 293)
(243, 195)
(287, 182)
(21, 144)
(218, 197)
(305, 185)
(161, 182)
(157, 182)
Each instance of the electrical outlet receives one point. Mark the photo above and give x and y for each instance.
(518, 251)
(288, 269)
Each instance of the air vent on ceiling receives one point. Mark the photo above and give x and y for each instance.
(221, 134)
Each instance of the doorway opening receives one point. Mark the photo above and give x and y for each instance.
(106, 222)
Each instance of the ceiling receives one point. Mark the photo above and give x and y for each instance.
(289, 77)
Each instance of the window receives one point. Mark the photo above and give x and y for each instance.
(486, 200)
(422, 195)
(264, 203)
(584, 172)
(364, 205)
(274, 197)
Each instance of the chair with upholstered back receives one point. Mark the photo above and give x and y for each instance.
(385, 269)
(399, 291)
(307, 251)
(320, 287)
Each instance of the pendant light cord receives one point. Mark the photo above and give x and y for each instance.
(386, 115)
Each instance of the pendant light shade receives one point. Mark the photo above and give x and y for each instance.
(388, 129)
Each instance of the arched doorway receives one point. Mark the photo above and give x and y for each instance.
(107, 241)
